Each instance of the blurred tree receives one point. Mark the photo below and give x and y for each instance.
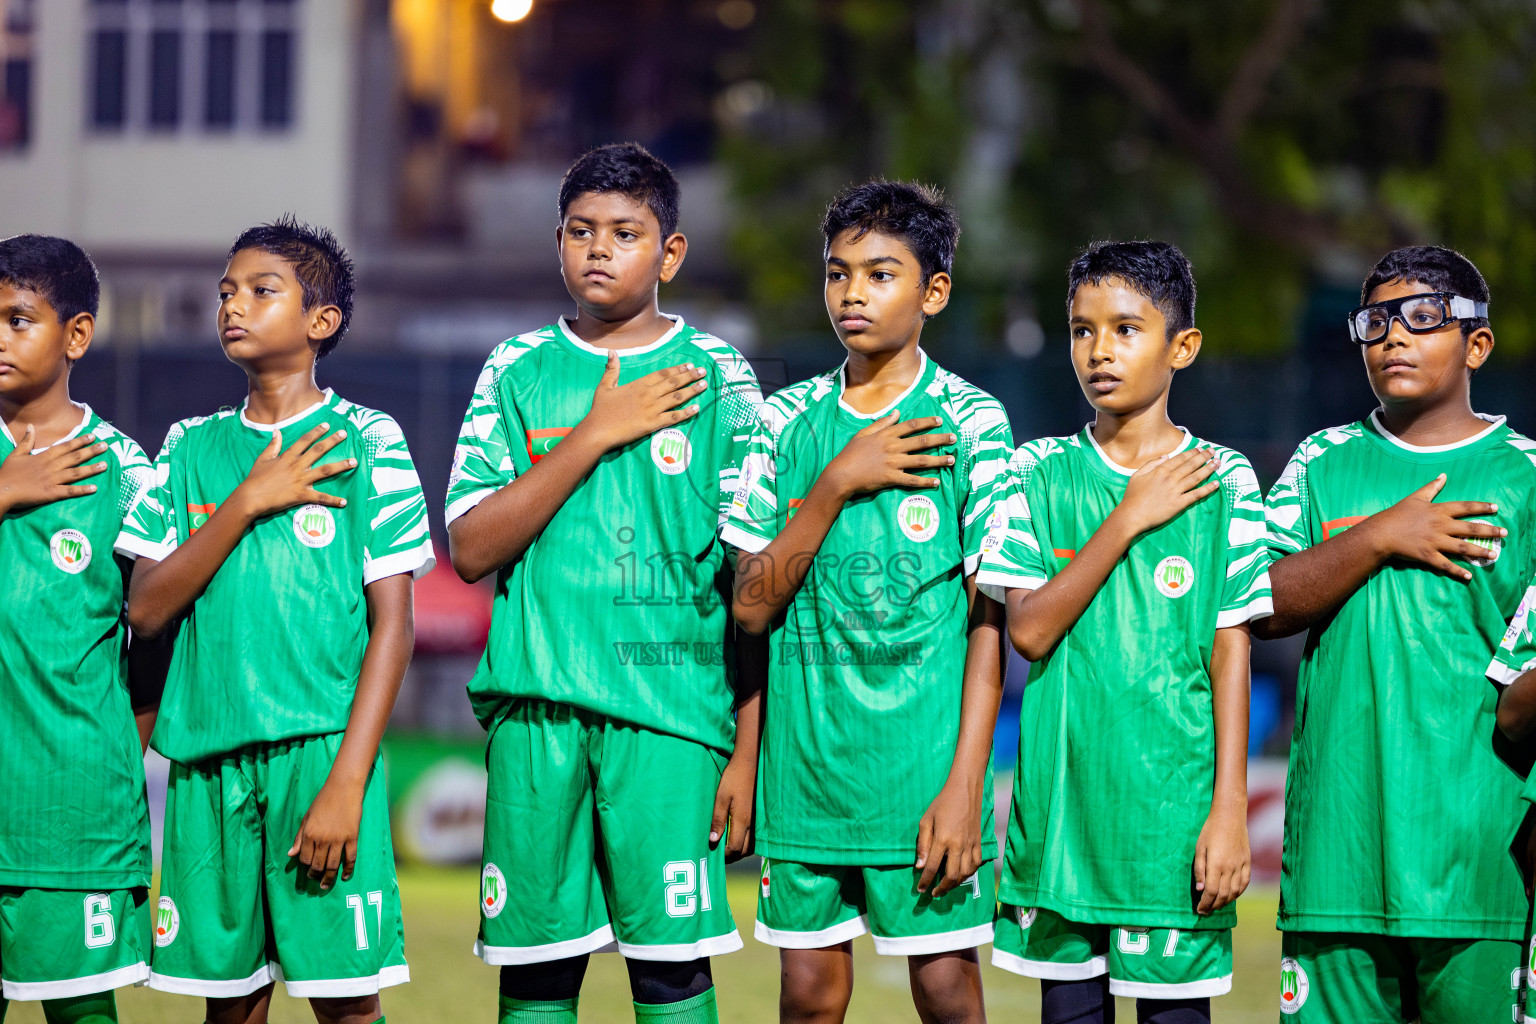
(1285, 144)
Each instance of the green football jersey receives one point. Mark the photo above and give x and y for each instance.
(866, 664)
(621, 604)
(73, 815)
(1515, 656)
(1117, 734)
(272, 649)
(1399, 814)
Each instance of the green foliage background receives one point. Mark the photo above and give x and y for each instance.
(1284, 144)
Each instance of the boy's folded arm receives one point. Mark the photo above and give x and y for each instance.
(162, 591)
(327, 839)
(951, 832)
(508, 521)
(503, 526)
(1517, 707)
(1155, 494)
(883, 455)
(1222, 858)
(1308, 585)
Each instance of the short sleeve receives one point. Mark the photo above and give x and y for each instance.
(1516, 653)
(987, 444)
(1245, 596)
(738, 402)
(1010, 549)
(1288, 524)
(752, 518)
(398, 538)
(484, 460)
(150, 528)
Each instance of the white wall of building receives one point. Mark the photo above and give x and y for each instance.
(187, 192)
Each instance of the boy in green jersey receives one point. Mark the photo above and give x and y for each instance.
(596, 459)
(74, 826)
(1131, 556)
(289, 586)
(1405, 541)
(1512, 668)
(860, 516)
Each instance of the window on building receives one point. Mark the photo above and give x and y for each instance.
(17, 18)
(192, 65)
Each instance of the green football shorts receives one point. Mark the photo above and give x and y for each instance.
(596, 836)
(62, 943)
(1356, 978)
(236, 912)
(811, 906)
(1144, 963)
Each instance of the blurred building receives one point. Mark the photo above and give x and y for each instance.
(430, 134)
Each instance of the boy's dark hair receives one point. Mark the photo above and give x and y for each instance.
(915, 213)
(56, 268)
(1437, 268)
(319, 261)
(629, 169)
(1157, 270)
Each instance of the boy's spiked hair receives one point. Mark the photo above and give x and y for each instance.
(1437, 268)
(629, 169)
(319, 261)
(915, 213)
(1157, 270)
(56, 268)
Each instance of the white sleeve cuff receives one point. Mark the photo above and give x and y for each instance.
(735, 536)
(1504, 674)
(1258, 608)
(996, 584)
(458, 506)
(418, 562)
(134, 547)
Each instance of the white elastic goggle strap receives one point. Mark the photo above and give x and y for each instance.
(1464, 309)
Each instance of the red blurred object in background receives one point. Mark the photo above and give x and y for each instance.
(452, 617)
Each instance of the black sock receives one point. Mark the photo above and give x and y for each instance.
(1076, 1002)
(1173, 1011)
(657, 983)
(554, 979)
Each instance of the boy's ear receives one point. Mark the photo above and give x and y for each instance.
(1479, 348)
(324, 322)
(1184, 347)
(673, 251)
(78, 333)
(936, 294)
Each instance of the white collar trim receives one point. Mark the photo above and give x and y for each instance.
(1494, 423)
(267, 428)
(570, 336)
(1116, 467)
(842, 388)
(85, 418)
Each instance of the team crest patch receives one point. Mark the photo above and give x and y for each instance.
(1027, 916)
(671, 451)
(1173, 576)
(493, 890)
(167, 921)
(918, 517)
(1293, 986)
(1493, 544)
(71, 551)
(763, 882)
(314, 526)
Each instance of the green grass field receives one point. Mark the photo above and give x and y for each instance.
(449, 985)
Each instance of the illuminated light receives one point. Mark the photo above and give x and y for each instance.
(511, 10)
(736, 14)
